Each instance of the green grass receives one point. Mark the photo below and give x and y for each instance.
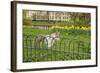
(73, 45)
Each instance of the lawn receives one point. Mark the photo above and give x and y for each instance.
(73, 45)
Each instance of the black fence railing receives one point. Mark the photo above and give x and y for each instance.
(64, 49)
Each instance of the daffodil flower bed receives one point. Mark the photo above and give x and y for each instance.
(71, 27)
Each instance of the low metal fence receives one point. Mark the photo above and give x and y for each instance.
(62, 50)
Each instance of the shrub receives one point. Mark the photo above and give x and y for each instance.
(27, 22)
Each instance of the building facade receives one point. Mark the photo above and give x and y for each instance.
(47, 15)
